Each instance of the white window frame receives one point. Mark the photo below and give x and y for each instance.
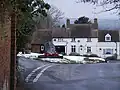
(107, 36)
(107, 50)
(42, 48)
(54, 39)
(73, 48)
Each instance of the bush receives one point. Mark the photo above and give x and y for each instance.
(63, 53)
(93, 55)
(74, 54)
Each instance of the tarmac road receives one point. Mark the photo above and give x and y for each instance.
(39, 75)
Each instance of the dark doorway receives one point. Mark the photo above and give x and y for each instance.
(60, 49)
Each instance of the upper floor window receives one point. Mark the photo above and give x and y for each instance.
(88, 39)
(78, 40)
(54, 39)
(107, 37)
(60, 39)
(73, 40)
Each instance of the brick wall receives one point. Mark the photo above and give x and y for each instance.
(5, 53)
(35, 48)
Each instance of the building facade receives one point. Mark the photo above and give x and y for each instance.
(86, 38)
(86, 46)
(79, 38)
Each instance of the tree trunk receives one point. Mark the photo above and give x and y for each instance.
(13, 52)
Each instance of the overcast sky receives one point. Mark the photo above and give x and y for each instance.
(72, 9)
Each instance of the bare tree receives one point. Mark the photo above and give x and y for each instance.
(56, 15)
(108, 5)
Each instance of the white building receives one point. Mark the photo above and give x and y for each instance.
(84, 46)
(80, 38)
(86, 38)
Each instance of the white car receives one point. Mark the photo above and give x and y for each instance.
(96, 59)
(31, 55)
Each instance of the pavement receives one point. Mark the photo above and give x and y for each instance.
(38, 75)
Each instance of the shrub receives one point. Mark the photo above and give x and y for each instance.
(74, 54)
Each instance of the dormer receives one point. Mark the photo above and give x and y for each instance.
(107, 37)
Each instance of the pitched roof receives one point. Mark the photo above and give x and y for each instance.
(113, 33)
(41, 36)
(81, 30)
(60, 33)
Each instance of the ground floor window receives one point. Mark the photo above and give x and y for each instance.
(60, 49)
(73, 48)
(107, 51)
(88, 49)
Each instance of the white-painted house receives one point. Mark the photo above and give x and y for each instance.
(80, 38)
(86, 38)
(82, 46)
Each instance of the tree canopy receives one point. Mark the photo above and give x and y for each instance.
(25, 11)
(82, 20)
(29, 9)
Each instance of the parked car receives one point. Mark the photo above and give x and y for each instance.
(94, 58)
(113, 57)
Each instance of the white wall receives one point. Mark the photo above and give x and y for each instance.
(105, 45)
(94, 44)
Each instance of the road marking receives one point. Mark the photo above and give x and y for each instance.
(39, 75)
(28, 77)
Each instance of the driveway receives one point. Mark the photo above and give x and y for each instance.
(39, 75)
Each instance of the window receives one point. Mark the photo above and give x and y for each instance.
(107, 37)
(60, 39)
(54, 39)
(42, 48)
(88, 49)
(73, 48)
(78, 40)
(88, 39)
(107, 51)
(73, 40)
(80, 45)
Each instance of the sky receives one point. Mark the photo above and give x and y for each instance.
(71, 9)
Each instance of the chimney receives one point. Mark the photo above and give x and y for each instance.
(68, 23)
(95, 24)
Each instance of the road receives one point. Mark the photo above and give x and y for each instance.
(39, 75)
